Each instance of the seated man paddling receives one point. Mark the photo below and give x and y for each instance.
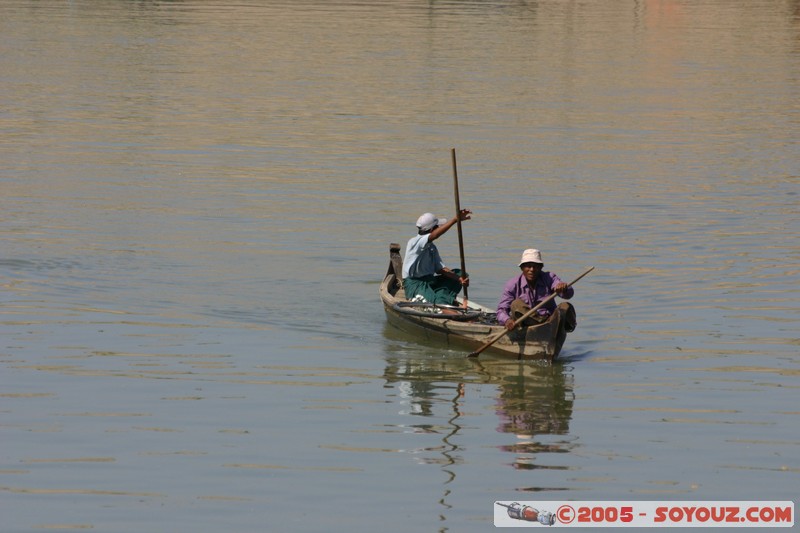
(521, 293)
(424, 273)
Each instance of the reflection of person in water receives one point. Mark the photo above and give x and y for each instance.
(539, 403)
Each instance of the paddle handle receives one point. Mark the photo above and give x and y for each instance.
(458, 219)
(523, 317)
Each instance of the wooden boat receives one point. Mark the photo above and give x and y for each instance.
(471, 327)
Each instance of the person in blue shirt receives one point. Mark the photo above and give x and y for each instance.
(424, 273)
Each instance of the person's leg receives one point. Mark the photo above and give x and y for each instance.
(569, 316)
(420, 287)
(446, 289)
(519, 308)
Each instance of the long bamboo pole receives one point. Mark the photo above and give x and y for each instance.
(458, 218)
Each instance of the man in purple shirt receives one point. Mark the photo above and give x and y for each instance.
(523, 292)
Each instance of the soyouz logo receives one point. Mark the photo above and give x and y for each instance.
(644, 514)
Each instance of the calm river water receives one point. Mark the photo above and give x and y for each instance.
(197, 203)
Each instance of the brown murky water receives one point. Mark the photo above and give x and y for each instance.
(197, 202)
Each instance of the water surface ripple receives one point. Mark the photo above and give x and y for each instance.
(197, 204)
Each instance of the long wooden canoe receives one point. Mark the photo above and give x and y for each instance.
(469, 329)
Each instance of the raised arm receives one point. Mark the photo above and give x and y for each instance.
(441, 230)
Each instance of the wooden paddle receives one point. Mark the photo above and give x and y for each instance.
(458, 223)
(523, 317)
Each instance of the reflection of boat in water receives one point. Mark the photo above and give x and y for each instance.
(532, 400)
(472, 327)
